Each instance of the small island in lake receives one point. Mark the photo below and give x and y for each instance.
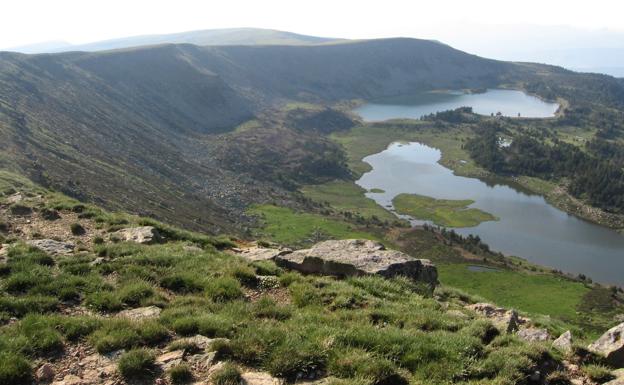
(442, 212)
(377, 191)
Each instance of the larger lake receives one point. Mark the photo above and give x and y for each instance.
(507, 102)
(529, 227)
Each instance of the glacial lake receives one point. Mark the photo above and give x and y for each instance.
(529, 227)
(507, 102)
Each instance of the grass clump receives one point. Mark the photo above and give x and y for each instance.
(136, 363)
(597, 372)
(180, 374)
(118, 334)
(14, 369)
(229, 374)
(77, 229)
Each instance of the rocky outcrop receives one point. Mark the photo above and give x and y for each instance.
(356, 257)
(143, 235)
(52, 247)
(140, 313)
(611, 345)
(564, 342)
(534, 334)
(260, 378)
(504, 320)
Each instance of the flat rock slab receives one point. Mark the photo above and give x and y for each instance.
(52, 247)
(356, 257)
(259, 378)
(261, 253)
(143, 234)
(140, 313)
(534, 334)
(611, 345)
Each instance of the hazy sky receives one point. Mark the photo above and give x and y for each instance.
(80, 21)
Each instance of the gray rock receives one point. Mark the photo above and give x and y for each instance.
(261, 253)
(611, 345)
(563, 342)
(170, 359)
(52, 247)
(143, 234)
(505, 320)
(356, 257)
(140, 313)
(45, 373)
(534, 334)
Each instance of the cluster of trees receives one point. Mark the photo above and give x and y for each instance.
(596, 175)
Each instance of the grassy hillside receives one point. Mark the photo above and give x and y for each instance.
(361, 330)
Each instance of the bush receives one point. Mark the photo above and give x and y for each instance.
(229, 374)
(77, 229)
(180, 374)
(98, 240)
(14, 369)
(136, 363)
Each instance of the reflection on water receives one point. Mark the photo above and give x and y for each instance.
(529, 227)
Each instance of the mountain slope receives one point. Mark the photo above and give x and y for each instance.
(146, 129)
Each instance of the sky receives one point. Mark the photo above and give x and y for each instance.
(79, 21)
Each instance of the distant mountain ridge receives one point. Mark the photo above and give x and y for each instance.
(226, 36)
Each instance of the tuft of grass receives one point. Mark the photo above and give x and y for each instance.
(223, 289)
(14, 369)
(229, 374)
(115, 334)
(598, 373)
(77, 229)
(180, 374)
(136, 363)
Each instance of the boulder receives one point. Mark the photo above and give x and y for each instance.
(257, 253)
(52, 247)
(611, 346)
(356, 257)
(15, 198)
(45, 373)
(564, 342)
(505, 320)
(140, 313)
(143, 234)
(534, 334)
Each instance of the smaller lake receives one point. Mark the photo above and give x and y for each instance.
(507, 102)
(529, 227)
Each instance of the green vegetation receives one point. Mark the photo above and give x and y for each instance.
(229, 374)
(77, 229)
(347, 196)
(377, 191)
(288, 227)
(180, 374)
(136, 363)
(442, 212)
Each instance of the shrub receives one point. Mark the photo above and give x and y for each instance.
(180, 374)
(49, 214)
(18, 209)
(98, 240)
(229, 374)
(14, 369)
(77, 229)
(136, 363)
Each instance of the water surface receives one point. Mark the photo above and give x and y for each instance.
(507, 102)
(528, 227)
